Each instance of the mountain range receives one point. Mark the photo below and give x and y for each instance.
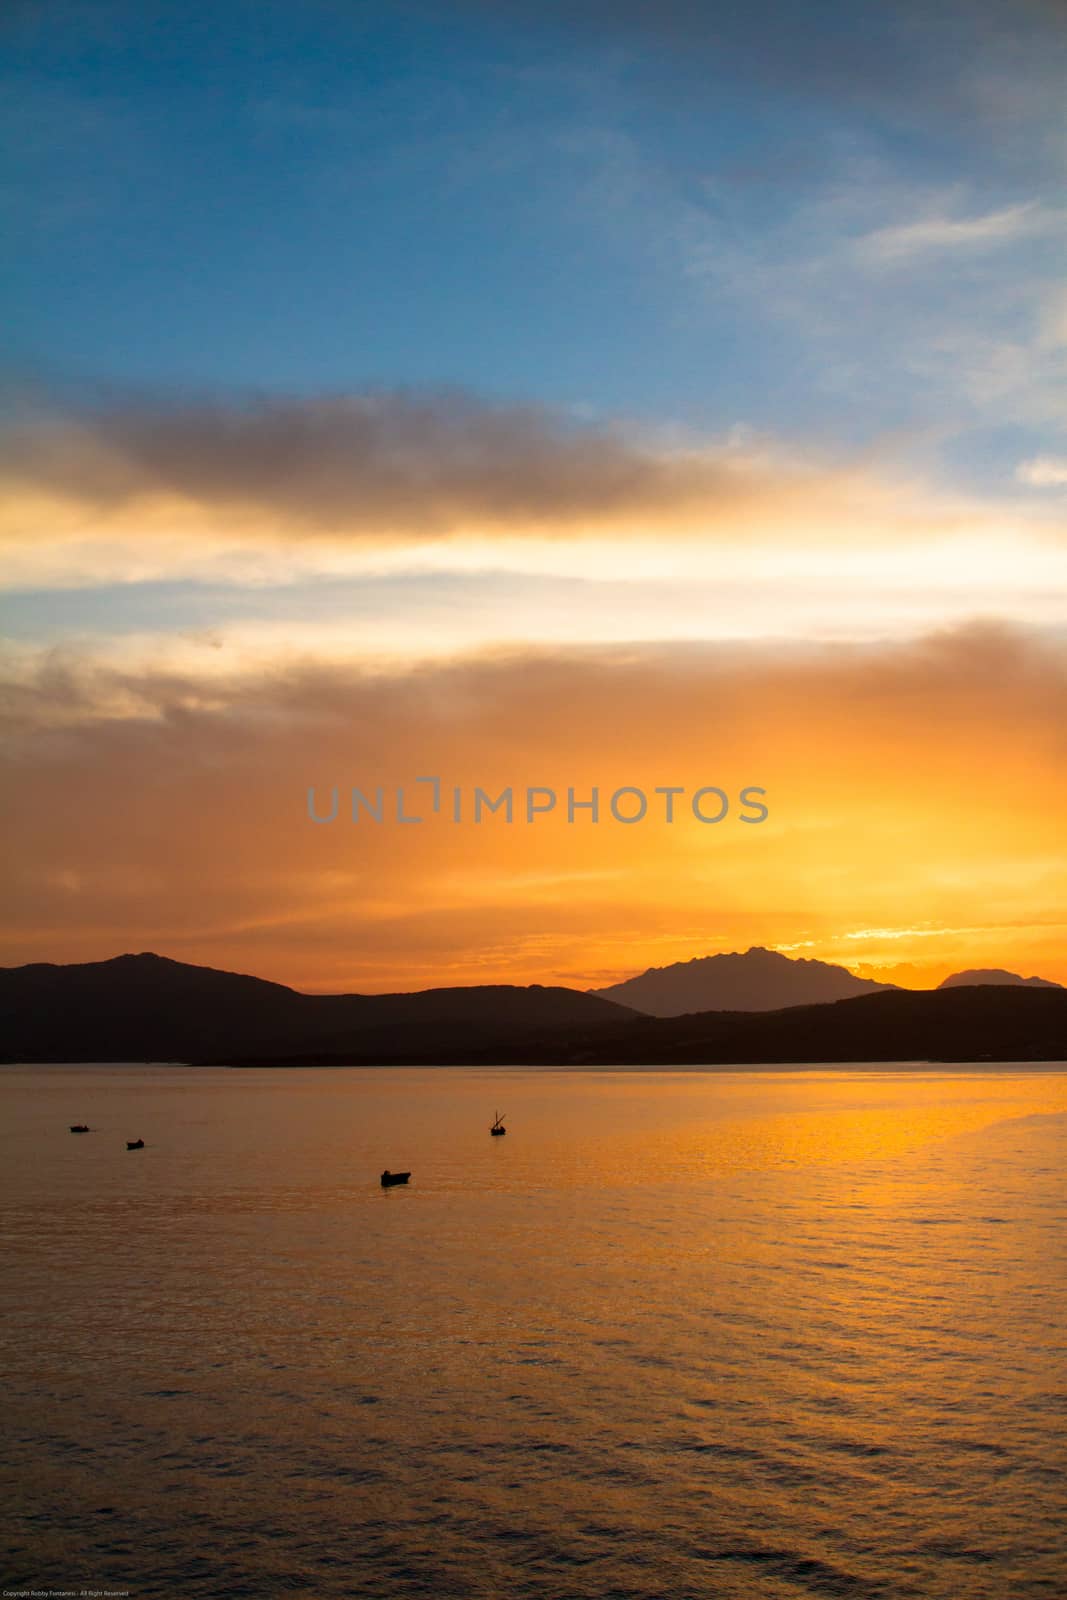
(766, 980)
(148, 1008)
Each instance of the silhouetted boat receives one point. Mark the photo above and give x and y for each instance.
(80, 1127)
(135, 1144)
(498, 1129)
(390, 1179)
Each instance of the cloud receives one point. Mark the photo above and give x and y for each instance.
(377, 465)
(904, 59)
(902, 243)
(169, 811)
(282, 491)
(903, 298)
(218, 630)
(976, 86)
(406, 526)
(1043, 472)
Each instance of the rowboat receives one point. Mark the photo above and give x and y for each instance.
(135, 1144)
(391, 1179)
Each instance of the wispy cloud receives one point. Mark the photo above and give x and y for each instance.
(903, 243)
(1043, 472)
(946, 320)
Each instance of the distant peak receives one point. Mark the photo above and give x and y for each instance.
(756, 979)
(974, 976)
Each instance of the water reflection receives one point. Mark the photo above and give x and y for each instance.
(745, 1334)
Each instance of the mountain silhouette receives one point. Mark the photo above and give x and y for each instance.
(995, 975)
(148, 1008)
(1002, 1023)
(758, 980)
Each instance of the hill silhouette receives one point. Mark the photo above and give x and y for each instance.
(755, 980)
(993, 1023)
(148, 1008)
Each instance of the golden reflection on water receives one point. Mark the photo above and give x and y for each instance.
(688, 1124)
(756, 1335)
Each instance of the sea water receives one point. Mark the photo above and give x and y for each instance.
(769, 1334)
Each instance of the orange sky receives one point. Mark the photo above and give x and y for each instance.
(916, 796)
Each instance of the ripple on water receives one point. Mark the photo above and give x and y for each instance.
(818, 1353)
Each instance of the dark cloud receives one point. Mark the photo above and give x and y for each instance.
(884, 54)
(368, 463)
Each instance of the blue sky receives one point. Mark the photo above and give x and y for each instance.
(838, 230)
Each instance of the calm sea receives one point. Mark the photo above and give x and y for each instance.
(747, 1334)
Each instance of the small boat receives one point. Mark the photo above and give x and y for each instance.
(80, 1127)
(390, 1179)
(135, 1144)
(498, 1129)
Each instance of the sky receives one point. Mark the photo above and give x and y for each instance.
(533, 395)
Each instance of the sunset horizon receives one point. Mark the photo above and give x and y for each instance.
(903, 975)
(533, 738)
